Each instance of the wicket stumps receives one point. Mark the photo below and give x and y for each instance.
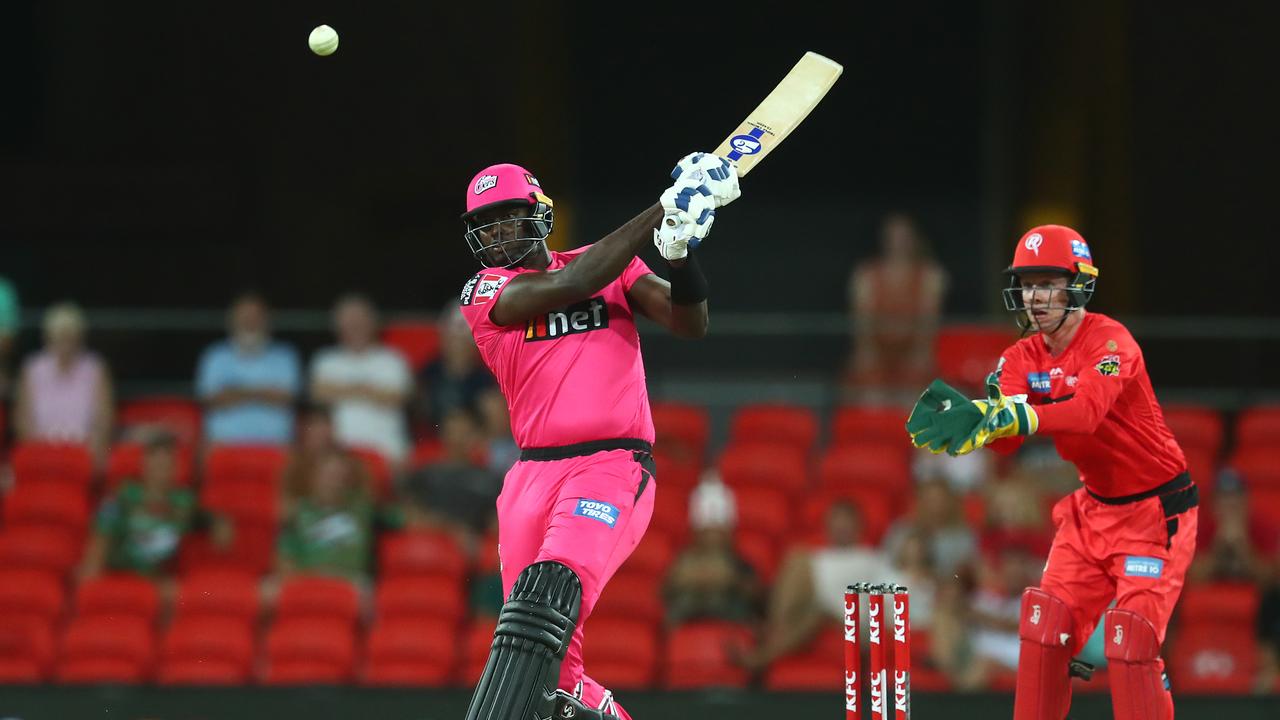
(877, 668)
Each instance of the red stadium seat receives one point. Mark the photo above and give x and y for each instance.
(1211, 659)
(125, 463)
(418, 342)
(760, 550)
(57, 505)
(1203, 470)
(784, 467)
(764, 510)
(206, 651)
(1264, 504)
(118, 596)
(774, 423)
(1196, 427)
(630, 596)
(39, 547)
(411, 652)
(863, 466)
(622, 653)
(651, 557)
(177, 415)
(106, 649)
(682, 431)
(1258, 466)
(252, 464)
(426, 452)
(475, 649)
(965, 354)
(251, 552)
(423, 597)
(676, 473)
(697, 656)
(871, 425)
(26, 648)
(52, 463)
(228, 594)
(671, 512)
(1225, 604)
(420, 552)
(309, 651)
(1258, 427)
(486, 561)
(319, 598)
(34, 594)
(378, 468)
(805, 673)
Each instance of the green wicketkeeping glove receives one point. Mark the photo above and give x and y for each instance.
(940, 415)
(1002, 416)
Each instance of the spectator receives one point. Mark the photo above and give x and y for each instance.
(8, 332)
(709, 579)
(995, 607)
(248, 382)
(808, 595)
(141, 525)
(458, 492)
(315, 442)
(894, 301)
(937, 521)
(456, 378)
(1232, 544)
(365, 383)
(64, 392)
(503, 451)
(329, 530)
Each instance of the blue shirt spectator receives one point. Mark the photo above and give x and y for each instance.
(249, 382)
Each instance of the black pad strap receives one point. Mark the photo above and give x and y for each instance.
(535, 626)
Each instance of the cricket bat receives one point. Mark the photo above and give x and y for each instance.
(785, 108)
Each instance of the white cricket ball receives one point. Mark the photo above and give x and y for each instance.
(323, 40)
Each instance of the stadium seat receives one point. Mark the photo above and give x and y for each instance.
(39, 547)
(1203, 469)
(33, 594)
(475, 649)
(631, 596)
(228, 594)
(411, 652)
(1210, 659)
(252, 550)
(863, 466)
(784, 467)
(875, 425)
(671, 512)
(418, 342)
(319, 598)
(26, 648)
(762, 551)
(56, 505)
(1196, 427)
(1258, 427)
(106, 649)
(1224, 604)
(309, 651)
(1258, 466)
(125, 463)
(697, 656)
(253, 464)
(420, 552)
(206, 650)
(425, 452)
(805, 673)
(52, 463)
(791, 425)
(622, 653)
(423, 597)
(1264, 504)
(651, 557)
(375, 463)
(966, 354)
(177, 415)
(118, 595)
(681, 430)
(675, 472)
(765, 510)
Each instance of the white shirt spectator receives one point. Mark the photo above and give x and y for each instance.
(359, 422)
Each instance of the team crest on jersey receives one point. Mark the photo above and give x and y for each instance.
(578, 318)
(1108, 366)
(482, 288)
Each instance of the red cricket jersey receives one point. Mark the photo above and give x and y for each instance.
(1096, 400)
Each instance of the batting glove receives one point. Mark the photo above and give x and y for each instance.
(718, 174)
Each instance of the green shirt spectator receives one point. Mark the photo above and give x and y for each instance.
(329, 530)
(8, 330)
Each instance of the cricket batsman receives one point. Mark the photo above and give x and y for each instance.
(1129, 533)
(557, 329)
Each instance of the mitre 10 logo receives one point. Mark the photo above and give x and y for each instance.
(580, 317)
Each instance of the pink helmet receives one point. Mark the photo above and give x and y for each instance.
(501, 185)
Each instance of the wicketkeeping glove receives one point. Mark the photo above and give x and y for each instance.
(941, 415)
(1002, 416)
(719, 175)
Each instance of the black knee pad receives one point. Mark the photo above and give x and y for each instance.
(535, 626)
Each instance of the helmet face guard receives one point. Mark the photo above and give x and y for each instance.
(1079, 289)
(505, 243)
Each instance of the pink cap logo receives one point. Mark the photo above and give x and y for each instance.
(1033, 243)
(486, 182)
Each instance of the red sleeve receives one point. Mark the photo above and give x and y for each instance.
(479, 296)
(1013, 381)
(1114, 356)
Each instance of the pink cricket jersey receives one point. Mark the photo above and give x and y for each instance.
(570, 375)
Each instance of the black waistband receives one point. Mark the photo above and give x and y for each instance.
(585, 448)
(1181, 482)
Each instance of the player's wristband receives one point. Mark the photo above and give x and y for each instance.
(688, 286)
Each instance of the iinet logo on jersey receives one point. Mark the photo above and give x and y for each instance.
(578, 318)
